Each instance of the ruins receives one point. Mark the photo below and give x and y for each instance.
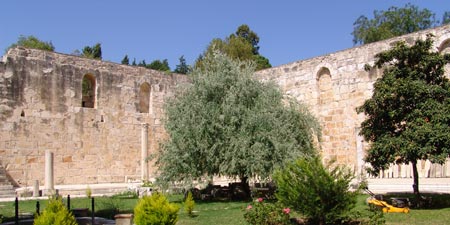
(102, 119)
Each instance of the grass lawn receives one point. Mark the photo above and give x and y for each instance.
(225, 213)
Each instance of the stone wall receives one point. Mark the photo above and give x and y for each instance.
(41, 109)
(95, 135)
(334, 85)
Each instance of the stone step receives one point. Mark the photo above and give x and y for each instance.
(7, 191)
(6, 187)
(7, 195)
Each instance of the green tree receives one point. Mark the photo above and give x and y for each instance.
(319, 192)
(142, 63)
(226, 123)
(32, 42)
(134, 62)
(250, 36)
(446, 18)
(408, 116)
(125, 60)
(159, 65)
(391, 23)
(94, 52)
(182, 68)
(242, 45)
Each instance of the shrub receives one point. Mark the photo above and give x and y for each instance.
(262, 213)
(376, 217)
(321, 193)
(155, 209)
(126, 194)
(88, 192)
(55, 214)
(189, 204)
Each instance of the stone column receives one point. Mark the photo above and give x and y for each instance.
(49, 185)
(36, 188)
(144, 147)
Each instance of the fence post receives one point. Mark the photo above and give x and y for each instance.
(68, 202)
(38, 208)
(93, 210)
(16, 214)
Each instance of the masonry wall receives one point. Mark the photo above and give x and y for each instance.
(41, 109)
(334, 85)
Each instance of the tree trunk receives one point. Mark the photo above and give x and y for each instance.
(416, 182)
(246, 187)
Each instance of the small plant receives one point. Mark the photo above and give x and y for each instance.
(155, 209)
(147, 183)
(88, 192)
(321, 193)
(55, 214)
(189, 204)
(262, 213)
(126, 194)
(376, 216)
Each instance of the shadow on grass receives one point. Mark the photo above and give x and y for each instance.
(430, 200)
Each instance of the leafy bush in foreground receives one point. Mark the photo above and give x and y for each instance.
(155, 209)
(319, 192)
(55, 214)
(262, 213)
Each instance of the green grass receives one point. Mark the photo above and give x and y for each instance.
(224, 213)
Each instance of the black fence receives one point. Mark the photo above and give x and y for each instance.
(76, 212)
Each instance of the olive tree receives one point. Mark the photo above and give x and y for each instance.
(227, 123)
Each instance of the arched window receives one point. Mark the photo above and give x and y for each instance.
(88, 87)
(444, 48)
(144, 98)
(325, 86)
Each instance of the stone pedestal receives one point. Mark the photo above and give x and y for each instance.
(124, 219)
(49, 184)
(36, 189)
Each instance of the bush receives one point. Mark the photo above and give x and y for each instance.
(55, 214)
(189, 204)
(320, 193)
(262, 213)
(155, 209)
(88, 192)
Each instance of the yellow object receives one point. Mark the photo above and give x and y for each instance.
(385, 207)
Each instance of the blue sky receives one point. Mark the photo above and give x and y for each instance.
(289, 30)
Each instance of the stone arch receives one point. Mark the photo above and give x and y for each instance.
(144, 98)
(444, 48)
(88, 91)
(325, 85)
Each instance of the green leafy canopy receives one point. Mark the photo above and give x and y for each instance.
(227, 123)
(394, 22)
(32, 42)
(408, 116)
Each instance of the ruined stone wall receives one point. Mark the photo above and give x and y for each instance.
(334, 85)
(41, 109)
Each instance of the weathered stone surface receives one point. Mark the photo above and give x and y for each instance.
(334, 85)
(41, 109)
